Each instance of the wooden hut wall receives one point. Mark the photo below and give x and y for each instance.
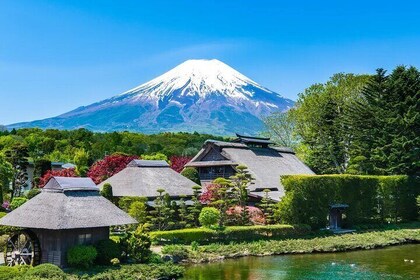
(55, 243)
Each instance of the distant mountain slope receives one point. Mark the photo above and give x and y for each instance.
(206, 96)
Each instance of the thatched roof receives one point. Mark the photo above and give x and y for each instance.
(266, 164)
(67, 203)
(144, 177)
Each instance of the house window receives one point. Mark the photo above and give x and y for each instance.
(85, 239)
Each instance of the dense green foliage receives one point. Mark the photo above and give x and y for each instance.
(356, 124)
(47, 271)
(17, 202)
(371, 199)
(335, 243)
(65, 145)
(137, 246)
(81, 256)
(228, 234)
(107, 250)
(106, 192)
(209, 216)
(192, 174)
(124, 272)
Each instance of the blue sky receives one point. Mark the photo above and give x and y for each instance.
(58, 55)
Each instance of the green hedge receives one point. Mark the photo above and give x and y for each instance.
(228, 234)
(371, 199)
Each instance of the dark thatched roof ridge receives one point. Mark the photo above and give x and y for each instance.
(67, 206)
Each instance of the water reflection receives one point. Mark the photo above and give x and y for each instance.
(373, 264)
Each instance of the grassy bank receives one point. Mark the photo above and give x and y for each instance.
(336, 243)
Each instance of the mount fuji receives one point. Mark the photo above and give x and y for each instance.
(206, 96)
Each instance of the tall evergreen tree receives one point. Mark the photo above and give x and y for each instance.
(17, 156)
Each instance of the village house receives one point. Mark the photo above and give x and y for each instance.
(67, 212)
(143, 178)
(265, 162)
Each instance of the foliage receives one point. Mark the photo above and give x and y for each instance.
(280, 128)
(209, 216)
(32, 193)
(335, 243)
(138, 211)
(17, 156)
(108, 166)
(418, 204)
(46, 271)
(228, 234)
(106, 192)
(371, 199)
(192, 174)
(6, 174)
(81, 256)
(162, 215)
(195, 209)
(17, 202)
(13, 272)
(178, 163)
(178, 252)
(41, 166)
(384, 124)
(125, 202)
(56, 173)
(107, 250)
(81, 159)
(156, 156)
(256, 216)
(138, 246)
(141, 272)
(319, 121)
(267, 206)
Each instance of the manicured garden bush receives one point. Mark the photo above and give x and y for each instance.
(192, 174)
(228, 234)
(209, 216)
(371, 199)
(138, 246)
(178, 252)
(107, 250)
(17, 202)
(47, 271)
(81, 256)
(13, 272)
(32, 193)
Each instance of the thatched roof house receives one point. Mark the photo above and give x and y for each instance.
(144, 177)
(265, 162)
(68, 211)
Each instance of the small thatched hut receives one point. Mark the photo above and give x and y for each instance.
(68, 212)
(144, 178)
(265, 162)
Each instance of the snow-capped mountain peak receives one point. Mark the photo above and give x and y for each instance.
(206, 96)
(198, 77)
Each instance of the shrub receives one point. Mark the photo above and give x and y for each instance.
(32, 193)
(192, 174)
(107, 191)
(178, 252)
(14, 272)
(47, 270)
(6, 229)
(371, 199)
(228, 234)
(107, 250)
(81, 256)
(209, 216)
(138, 246)
(17, 202)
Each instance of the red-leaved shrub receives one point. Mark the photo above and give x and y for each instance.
(108, 166)
(56, 173)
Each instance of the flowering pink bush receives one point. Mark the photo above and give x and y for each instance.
(256, 216)
(210, 194)
(6, 205)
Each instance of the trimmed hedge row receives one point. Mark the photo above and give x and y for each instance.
(371, 199)
(228, 234)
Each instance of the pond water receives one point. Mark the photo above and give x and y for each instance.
(389, 263)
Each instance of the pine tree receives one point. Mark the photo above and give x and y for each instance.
(239, 184)
(267, 206)
(195, 209)
(17, 156)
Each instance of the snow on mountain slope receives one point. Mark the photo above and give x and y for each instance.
(198, 95)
